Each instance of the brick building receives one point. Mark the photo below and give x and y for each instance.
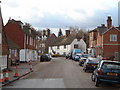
(24, 37)
(104, 40)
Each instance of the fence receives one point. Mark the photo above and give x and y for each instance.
(3, 61)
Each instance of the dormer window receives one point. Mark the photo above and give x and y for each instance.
(30, 31)
(21, 26)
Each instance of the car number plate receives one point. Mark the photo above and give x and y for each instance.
(112, 74)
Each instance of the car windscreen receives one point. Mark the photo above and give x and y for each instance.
(110, 65)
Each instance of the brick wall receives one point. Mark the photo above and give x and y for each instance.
(110, 47)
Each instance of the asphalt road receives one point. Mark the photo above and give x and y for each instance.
(59, 73)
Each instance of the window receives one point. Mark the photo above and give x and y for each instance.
(113, 37)
(75, 45)
(31, 41)
(15, 53)
(12, 51)
(57, 47)
(64, 46)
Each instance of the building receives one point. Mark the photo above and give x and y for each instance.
(65, 44)
(23, 36)
(3, 45)
(104, 40)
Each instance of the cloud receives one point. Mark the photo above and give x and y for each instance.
(59, 13)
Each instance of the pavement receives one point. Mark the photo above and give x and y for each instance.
(22, 70)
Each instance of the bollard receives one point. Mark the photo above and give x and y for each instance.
(16, 72)
(6, 76)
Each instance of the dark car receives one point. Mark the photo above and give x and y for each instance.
(83, 59)
(45, 57)
(107, 71)
(91, 64)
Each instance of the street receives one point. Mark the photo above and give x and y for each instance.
(59, 73)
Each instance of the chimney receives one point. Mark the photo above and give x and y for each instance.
(109, 22)
(48, 32)
(67, 32)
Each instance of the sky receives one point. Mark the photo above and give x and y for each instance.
(54, 14)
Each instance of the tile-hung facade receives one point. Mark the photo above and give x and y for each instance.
(104, 40)
(24, 37)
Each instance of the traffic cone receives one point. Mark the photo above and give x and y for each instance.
(16, 72)
(7, 76)
(31, 69)
(2, 77)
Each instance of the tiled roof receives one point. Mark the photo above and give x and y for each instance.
(101, 29)
(25, 28)
(63, 40)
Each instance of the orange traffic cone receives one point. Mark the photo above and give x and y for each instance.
(7, 76)
(2, 77)
(16, 72)
(30, 63)
(31, 69)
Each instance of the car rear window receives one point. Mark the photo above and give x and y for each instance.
(86, 56)
(93, 61)
(109, 65)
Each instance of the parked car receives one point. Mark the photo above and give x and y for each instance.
(83, 59)
(45, 57)
(107, 71)
(91, 64)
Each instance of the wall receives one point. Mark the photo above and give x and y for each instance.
(110, 47)
(81, 43)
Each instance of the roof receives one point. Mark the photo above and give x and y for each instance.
(111, 29)
(101, 29)
(30, 31)
(25, 28)
(63, 40)
(11, 44)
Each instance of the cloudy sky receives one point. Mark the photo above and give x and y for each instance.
(61, 13)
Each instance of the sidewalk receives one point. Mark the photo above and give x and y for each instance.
(23, 69)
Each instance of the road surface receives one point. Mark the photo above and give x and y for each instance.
(59, 73)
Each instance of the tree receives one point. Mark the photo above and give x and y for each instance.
(60, 33)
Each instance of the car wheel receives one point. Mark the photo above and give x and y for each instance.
(93, 77)
(97, 83)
